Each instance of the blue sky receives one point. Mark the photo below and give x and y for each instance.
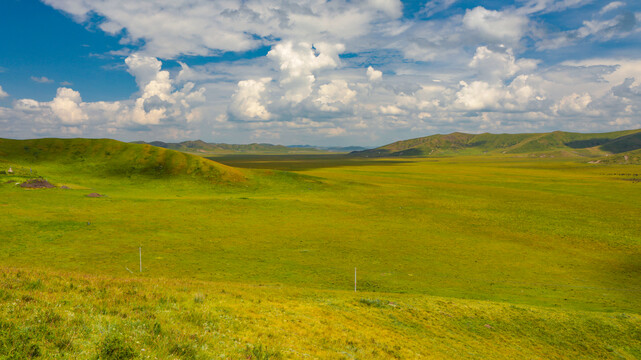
(330, 73)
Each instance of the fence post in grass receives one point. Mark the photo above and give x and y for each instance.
(140, 253)
(354, 279)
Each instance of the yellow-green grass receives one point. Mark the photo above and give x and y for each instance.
(259, 263)
(65, 315)
(540, 232)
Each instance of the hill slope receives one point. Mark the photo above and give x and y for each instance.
(629, 157)
(564, 143)
(110, 157)
(61, 315)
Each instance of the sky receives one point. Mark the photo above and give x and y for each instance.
(333, 73)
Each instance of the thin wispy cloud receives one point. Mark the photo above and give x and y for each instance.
(41, 79)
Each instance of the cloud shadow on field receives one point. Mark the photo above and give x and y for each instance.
(297, 162)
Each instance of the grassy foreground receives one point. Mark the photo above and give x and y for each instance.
(62, 315)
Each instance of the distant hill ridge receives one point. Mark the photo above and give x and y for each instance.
(560, 142)
(222, 148)
(112, 157)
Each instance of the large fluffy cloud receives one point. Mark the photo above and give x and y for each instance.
(497, 26)
(66, 106)
(573, 104)
(333, 94)
(204, 27)
(298, 62)
(247, 103)
(159, 100)
(499, 64)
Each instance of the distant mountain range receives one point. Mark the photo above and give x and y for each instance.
(557, 143)
(199, 146)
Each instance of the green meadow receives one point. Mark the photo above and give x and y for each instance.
(497, 256)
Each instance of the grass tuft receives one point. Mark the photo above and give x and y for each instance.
(374, 302)
(115, 347)
(260, 352)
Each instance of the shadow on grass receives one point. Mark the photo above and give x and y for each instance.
(298, 162)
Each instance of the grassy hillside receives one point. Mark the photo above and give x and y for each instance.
(104, 157)
(629, 157)
(62, 315)
(562, 143)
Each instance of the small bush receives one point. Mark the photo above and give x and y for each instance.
(114, 347)
(49, 317)
(373, 302)
(33, 351)
(260, 352)
(199, 298)
(183, 351)
(34, 285)
(157, 329)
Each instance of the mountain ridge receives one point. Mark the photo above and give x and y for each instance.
(458, 143)
(200, 146)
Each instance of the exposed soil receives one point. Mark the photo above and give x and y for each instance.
(94, 195)
(64, 187)
(37, 184)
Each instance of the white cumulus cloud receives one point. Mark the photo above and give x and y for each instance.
(573, 104)
(66, 106)
(374, 75)
(159, 100)
(499, 64)
(333, 93)
(247, 103)
(479, 95)
(297, 63)
(498, 26)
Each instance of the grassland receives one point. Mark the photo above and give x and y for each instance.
(546, 250)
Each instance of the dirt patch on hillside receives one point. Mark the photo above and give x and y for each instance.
(94, 195)
(37, 184)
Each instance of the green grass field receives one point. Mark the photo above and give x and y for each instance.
(546, 252)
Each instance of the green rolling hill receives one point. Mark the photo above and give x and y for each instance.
(105, 157)
(556, 143)
(628, 157)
